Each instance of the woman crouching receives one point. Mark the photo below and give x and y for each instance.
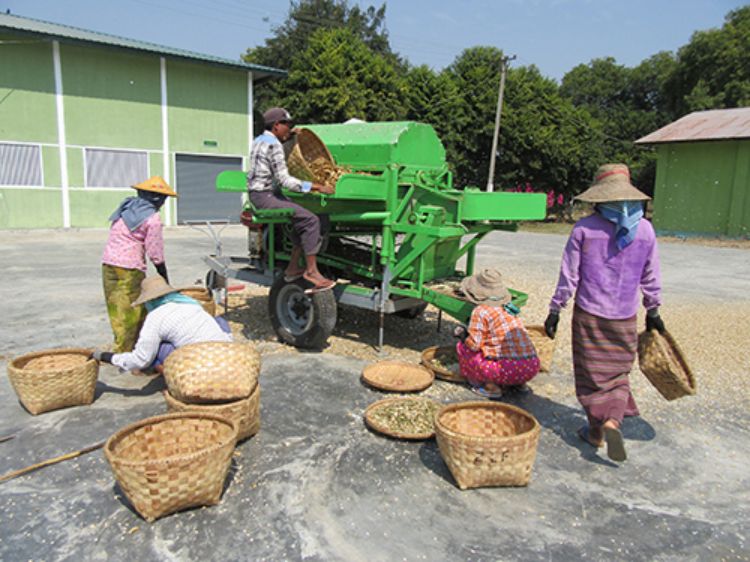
(495, 352)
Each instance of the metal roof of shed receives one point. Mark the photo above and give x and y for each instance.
(715, 124)
(70, 34)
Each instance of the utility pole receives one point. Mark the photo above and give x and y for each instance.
(503, 70)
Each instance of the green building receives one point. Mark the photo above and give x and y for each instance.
(85, 115)
(703, 174)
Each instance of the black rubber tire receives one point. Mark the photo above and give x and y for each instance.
(298, 319)
(412, 312)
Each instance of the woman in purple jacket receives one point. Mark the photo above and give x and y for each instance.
(610, 255)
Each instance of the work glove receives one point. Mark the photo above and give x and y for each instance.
(161, 269)
(460, 332)
(550, 324)
(104, 356)
(654, 321)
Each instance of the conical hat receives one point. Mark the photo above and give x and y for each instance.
(152, 288)
(612, 183)
(157, 185)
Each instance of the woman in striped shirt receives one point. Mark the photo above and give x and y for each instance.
(495, 352)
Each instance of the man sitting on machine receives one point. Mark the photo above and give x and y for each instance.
(268, 172)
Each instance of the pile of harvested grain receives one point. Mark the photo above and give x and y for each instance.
(326, 172)
(411, 416)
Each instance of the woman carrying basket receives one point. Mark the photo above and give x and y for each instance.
(136, 232)
(495, 352)
(609, 256)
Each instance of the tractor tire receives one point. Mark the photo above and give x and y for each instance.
(412, 312)
(298, 319)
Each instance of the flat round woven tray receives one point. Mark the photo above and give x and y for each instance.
(403, 417)
(443, 361)
(397, 376)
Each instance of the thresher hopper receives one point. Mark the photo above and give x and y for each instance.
(398, 229)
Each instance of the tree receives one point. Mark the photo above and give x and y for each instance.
(307, 17)
(338, 77)
(713, 70)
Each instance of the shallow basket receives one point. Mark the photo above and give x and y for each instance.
(307, 149)
(245, 413)
(663, 363)
(397, 376)
(487, 443)
(544, 345)
(171, 462)
(212, 371)
(203, 296)
(428, 360)
(375, 424)
(52, 379)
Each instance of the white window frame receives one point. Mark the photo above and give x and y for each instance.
(40, 164)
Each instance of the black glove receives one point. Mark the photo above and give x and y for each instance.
(460, 332)
(161, 269)
(104, 356)
(654, 321)
(550, 324)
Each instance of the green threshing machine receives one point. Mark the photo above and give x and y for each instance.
(397, 228)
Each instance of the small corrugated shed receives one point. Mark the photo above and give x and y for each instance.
(703, 174)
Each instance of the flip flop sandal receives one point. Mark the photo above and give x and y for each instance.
(583, 433)
(320, 288)
(615, 444)
(486, 393)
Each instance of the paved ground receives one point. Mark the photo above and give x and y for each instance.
(314, 484)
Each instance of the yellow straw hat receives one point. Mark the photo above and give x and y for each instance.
(612, 183)
(157, 185)
(153, 287)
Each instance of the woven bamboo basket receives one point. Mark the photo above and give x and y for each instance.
(397, 376)
(52, 379)
(212, 372)
(439, 368)
(203, 296)
(309, 149)
(245, 413)
(663, 363)
(487, 443)
(544, 345)
(171, 462)
(417, 406)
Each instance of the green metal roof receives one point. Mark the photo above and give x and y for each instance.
(76, 35)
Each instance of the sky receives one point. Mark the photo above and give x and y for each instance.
(554, 35)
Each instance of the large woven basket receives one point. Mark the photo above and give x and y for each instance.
(212, 372)
(435, 359)
(52, 379)
(487, 443)
(544, 345)
(397, 376)
(310, 158)
(245, 412)
(663, 363)
(171, 462)
(203, 296)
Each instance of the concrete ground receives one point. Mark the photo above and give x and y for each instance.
(315, 484)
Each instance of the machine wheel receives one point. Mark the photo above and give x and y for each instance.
(412, 312)
(298, 319)
(214, 281)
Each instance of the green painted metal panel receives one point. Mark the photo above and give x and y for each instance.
(51, 166)
(89, 208)
(112, 98)
(375, 144)
(479, 205)
(694, 187)
(207, 110)
(75, 167)
(30, 208)
(739, 212)
(27, 90)
(156, 164)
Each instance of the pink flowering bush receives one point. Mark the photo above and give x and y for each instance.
(555, 201)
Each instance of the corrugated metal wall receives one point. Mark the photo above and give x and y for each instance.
(703, 188)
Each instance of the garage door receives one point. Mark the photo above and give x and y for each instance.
(196, 187)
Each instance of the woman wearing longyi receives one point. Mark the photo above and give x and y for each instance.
(610, 255)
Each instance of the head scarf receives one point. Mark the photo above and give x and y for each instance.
(135, 210)
(625, 215)
(170, 297)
